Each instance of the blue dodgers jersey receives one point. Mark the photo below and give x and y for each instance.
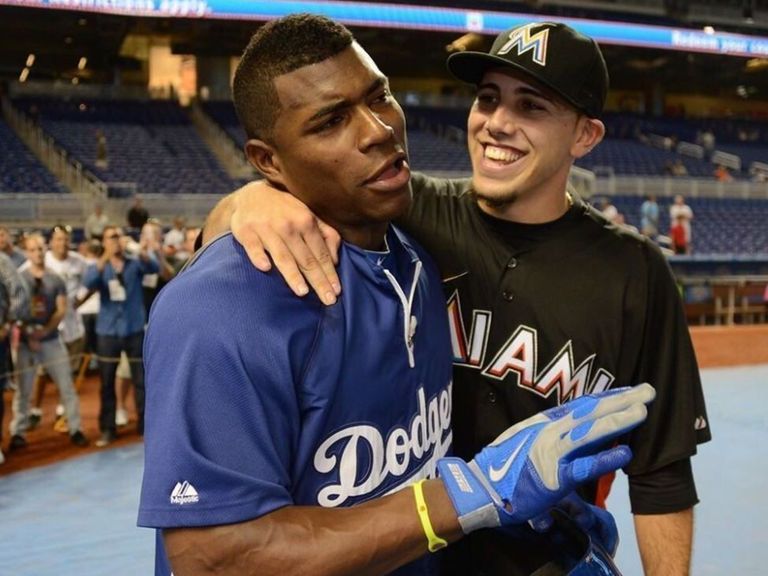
(257, 399)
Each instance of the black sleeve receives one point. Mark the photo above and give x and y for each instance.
(677, 419)
(431, 196)
(663, 491)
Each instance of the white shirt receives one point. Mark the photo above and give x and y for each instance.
(175, 238)
(94, 225)
(71, 270)
(685, 211)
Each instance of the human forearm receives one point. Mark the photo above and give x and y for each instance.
(373, 538)
(52, 325)
(218, 219)
(665, 542)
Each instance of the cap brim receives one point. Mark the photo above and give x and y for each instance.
(470, 67)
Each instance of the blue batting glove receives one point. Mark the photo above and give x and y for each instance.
(597, 522)
(534, 464)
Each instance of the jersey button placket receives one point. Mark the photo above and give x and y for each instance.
(507, 293)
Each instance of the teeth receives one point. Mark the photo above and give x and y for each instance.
(500, 154)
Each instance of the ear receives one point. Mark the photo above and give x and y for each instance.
(265, 159)
(589, 133)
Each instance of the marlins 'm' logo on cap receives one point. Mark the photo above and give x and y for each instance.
(551, 53)
(524, 40)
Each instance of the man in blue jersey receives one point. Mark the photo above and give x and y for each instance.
(279, 431)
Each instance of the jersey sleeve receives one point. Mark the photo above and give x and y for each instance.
(224, 348)
(677, 419)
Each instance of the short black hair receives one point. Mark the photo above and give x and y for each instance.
(279, 47)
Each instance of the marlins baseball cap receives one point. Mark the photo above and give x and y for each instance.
(551, 53)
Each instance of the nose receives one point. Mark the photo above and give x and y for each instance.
(374, 130)
(500, 123)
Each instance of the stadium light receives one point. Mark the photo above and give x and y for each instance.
(30, 60)
(83, 62)
(23, 75)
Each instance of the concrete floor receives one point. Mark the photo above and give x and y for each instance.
(78, 517)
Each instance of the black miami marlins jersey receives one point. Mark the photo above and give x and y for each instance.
(540, 314)
(257, 399)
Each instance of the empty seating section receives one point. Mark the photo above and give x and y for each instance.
(155, 145)
(20, 171)
(747, 139)
(223, 113)
(720, 225)
(152, 144)
(429, 152)
(630, 157)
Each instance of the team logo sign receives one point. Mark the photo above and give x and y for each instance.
(525, 40)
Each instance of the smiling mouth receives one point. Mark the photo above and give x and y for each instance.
(501, 155)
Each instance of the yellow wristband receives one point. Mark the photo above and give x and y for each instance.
(434, 542)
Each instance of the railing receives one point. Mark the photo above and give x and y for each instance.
(726, 300)
(662, 186)
(230, 156)
(40, 211)
(85, 91)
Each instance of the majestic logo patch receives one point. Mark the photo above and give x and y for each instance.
(525, 41)
(184, 493)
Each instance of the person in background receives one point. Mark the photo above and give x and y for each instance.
(679, 209)
(136, 217)
(152, 238)
(102, 155)
(188, 249)
(95, 223)
(7, 247)
(722, 174)
(678, 236)
(70, 267)
(649, 217)
(678, 168)
(41, 345)
(173, 241)
(14, 306)
(120, 323)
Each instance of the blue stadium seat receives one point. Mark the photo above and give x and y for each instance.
(150, 143)
(20, 170)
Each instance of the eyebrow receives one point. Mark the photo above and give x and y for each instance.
(377, 84)
(521, 91)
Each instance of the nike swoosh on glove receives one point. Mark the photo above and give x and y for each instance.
(534, 464)
(595, 521)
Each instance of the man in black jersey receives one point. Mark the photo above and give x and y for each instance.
(547, 300)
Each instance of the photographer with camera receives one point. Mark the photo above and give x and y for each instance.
(120, 324)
